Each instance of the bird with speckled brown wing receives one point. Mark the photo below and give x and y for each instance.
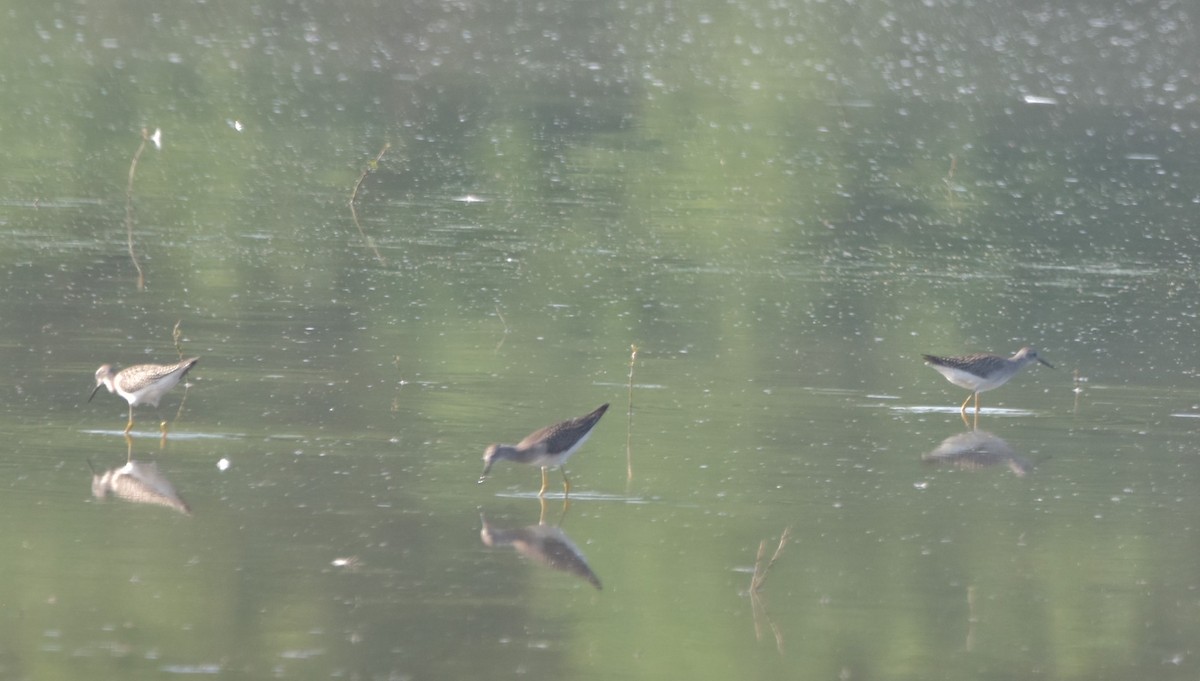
(548, 447)
(983, 371)
(141, 383)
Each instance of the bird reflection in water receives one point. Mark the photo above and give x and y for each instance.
(977, 449)
(139, 482)
(543, 544)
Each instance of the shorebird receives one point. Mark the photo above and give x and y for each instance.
(141, 383)
(983, 371)
(549, 447)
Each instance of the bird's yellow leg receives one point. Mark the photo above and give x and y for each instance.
(542, 514)
(545, 483)
(963, 408)
(566, 505)
(566, 484)
(129, 426)
(976, 404)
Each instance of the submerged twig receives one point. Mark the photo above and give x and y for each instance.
(629, 423)
(1077, 388)
(176, 337)
(354, 197)
(971, 618)
(761, 615)
(756, 582)
(760, 571)
(505, 323)
(758, 564)
(950, 184)
(137, 155)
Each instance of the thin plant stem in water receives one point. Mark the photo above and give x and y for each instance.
(971, 618)
(133, 164)
(373, 165)
(950, 177)
(756, 582)
(629, 422)
(1078, 381)
(760, 571)
(176, 335)
(505, 334)
(176, 338)
(950, 184)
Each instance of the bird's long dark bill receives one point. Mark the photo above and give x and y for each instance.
(1045, 362)
(486, 468)
(95, 390)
